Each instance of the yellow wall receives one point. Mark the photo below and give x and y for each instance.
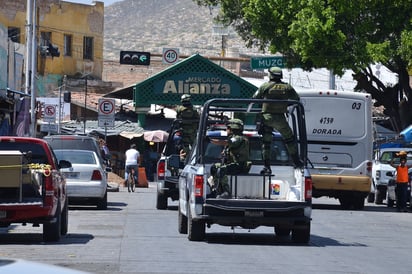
(61, 18)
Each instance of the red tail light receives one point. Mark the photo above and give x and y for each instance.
(369, 167)
(97, 175)
(48, 183)
(308, 188)
(198, 186)
(161, 170)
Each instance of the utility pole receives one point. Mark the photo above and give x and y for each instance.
(28, 63)
(33, 119)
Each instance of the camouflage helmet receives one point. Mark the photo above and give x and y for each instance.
(185, 99)
(235, 124)
(275, 73)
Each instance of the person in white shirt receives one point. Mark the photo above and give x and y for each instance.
(132, 161)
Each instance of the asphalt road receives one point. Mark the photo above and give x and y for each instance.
(131, 236)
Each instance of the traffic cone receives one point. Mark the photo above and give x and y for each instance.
(142, 178)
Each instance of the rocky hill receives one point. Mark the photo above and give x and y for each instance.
(151, 25)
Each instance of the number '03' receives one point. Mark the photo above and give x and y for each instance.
(356, 106)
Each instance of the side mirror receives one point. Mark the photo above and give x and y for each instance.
(64, 164)
(173, 161)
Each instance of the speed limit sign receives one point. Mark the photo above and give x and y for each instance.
(170, 56)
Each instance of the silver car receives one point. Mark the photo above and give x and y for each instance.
(87, 178)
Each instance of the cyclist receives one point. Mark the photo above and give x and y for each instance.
(132, 161)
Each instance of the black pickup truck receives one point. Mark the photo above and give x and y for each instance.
(167, 177)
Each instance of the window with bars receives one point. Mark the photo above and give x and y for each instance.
(14, 34)
(68, 44)
(88, 48)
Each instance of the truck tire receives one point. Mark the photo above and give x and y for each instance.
(196, 229)
(181, 222)
(358, 201)
(301, 235)
(378, 196)
(102, 203)
(65, 217)
(52, 231)
(371, 197)
(161, 201)
(345, 201)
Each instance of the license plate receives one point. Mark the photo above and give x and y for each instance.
(3, 214)
(249, 213)
(72, 175)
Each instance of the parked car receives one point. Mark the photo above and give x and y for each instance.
(87, 179)
(17, 266)
(76, 142)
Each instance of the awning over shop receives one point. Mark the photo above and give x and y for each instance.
(130, 135)
(121, 93)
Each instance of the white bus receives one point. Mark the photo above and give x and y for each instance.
(340, 144)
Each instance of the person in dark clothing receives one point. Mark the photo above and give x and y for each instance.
(273, 116)
(402, 180)
(189, 121)
(235, 158)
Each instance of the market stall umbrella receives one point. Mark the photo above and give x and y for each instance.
(156, 136)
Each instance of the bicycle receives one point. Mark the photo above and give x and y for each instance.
(131, 180)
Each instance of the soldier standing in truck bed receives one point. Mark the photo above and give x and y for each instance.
(273, 116)
(189, 122)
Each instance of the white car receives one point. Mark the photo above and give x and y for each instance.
(18, 266)
(87, 178)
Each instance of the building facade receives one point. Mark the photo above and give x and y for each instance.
(69, 39)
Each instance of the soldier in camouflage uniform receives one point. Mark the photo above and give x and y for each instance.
(273, 116)
(189, 122)
(235, 158)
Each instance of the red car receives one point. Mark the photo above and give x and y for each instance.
(32, 188)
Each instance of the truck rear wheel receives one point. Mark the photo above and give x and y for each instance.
(181, 222)
(65, 217)
(161, 201)
(52, 231)
(301, 236)
(196, 228)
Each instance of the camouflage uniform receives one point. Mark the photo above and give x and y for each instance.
(273, 115)
(235, 160)
(189, 122)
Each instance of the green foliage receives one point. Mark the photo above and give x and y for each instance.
(332, 34)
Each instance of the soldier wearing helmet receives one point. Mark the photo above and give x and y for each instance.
(189, 120)
(235, 157)
(273, 116)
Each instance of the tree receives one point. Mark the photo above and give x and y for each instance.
(334, 34)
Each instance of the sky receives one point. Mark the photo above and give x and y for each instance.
(89, 2)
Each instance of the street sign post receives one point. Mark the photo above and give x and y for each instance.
(106, 111)
(49, 113)
(267, 62)
(170, 56)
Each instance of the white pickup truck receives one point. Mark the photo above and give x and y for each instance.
(282, 200)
